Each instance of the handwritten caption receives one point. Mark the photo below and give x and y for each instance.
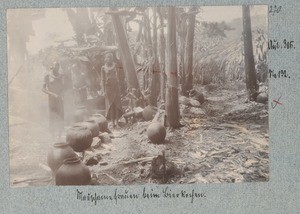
(145, 194)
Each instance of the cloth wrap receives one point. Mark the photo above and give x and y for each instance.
(110, 86)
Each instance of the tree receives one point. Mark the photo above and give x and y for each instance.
(155, 82)
(181, 32)
(127, 59)
(81, 23)
(188, 59)
(172, 106)
(162, 56)
(251, 81)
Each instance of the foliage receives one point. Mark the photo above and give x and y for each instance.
(220, 60)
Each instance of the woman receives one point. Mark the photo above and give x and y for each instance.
(53, 86)
(79, 85)
(110, 87)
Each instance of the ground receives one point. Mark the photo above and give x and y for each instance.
(223, 140)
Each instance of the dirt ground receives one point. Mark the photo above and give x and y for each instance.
(225, 140)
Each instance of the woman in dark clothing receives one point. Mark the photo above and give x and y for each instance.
(53, 86)
(110, 87)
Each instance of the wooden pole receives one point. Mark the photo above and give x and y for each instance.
(189, 47)
(251, 81)
(172, 106)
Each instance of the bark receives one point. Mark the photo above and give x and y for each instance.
(162, 57)
(155, 82)
(150, 51)
(182, 34)
(251, 81)
(188, 64)
(146, 51)
(81, 23)
(127, 59)
(172, 106)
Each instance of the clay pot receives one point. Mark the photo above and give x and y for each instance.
(262, 98)
(101, 120)
(92, 125)
(197, 95)
(156, 132)
(57, 154)
(81, 114)
(73, 172)
(149, 113)
(79, 138)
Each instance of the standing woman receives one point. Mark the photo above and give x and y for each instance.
(53, 86)
(110, 87)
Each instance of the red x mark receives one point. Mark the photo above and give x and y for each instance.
(276, 101)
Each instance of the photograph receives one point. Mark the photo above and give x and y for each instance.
(138, 95)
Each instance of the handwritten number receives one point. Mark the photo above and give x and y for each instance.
(274, 9)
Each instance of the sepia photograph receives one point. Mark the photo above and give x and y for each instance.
(138, 95)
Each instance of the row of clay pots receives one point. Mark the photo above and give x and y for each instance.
(80, 135)
(66, 166)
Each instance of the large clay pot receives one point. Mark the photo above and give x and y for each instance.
(73, 172)
(92, 125)
(81, 114)
(79, 138)
(57, 154)
(101, 120)
(156, 132)
(149, 112)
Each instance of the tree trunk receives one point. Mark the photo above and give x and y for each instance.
(251, 82)
(162, 57)
(81, 23)
(172, 106)
(155, 81)
(127, 60)
(182, 34)
(188, 64)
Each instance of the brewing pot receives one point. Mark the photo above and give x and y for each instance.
(73, 172)
(156, 133)
(93, 126)
(149, 112)
(57, 154)
(80, 114)
(101, 120)
(79, 137)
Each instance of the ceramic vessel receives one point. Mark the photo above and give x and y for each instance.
(149, 112)
(73, 172)
(92, 125)
(156, 133)
(79, 137)
(57, 154)
(101, 120)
